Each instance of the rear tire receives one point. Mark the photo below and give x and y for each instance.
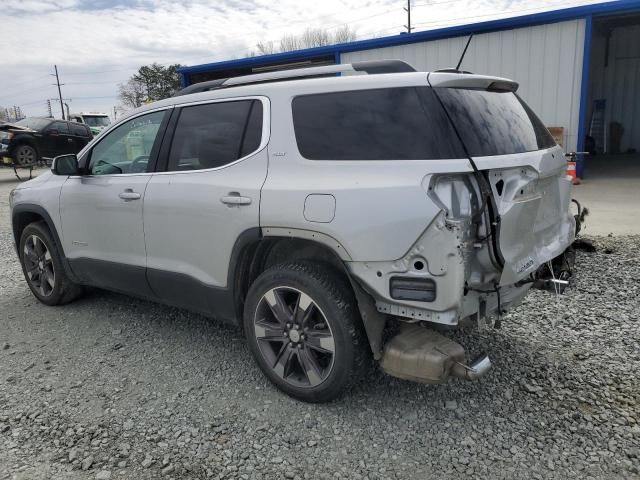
(42, 267)
(25, 155)
(303, 328)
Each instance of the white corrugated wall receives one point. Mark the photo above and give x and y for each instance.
(546, 60)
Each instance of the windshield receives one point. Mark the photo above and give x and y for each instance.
(96, 120)
(34, 123)
(494, 123)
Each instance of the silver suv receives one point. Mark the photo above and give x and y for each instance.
(337, 213)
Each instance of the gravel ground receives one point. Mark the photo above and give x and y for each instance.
(112, 387)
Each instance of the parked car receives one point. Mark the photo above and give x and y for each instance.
(35, 139)
(97, 122)
(335, 218)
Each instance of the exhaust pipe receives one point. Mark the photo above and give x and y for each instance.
(423, 355)
(477, 369)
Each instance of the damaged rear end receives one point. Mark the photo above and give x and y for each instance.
(519, 168)
(498, 224)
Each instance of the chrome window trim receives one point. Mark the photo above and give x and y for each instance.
(264, 140)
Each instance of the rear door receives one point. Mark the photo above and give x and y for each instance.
(81, 136)
(525, 169)
(205, 200)
(58, 139)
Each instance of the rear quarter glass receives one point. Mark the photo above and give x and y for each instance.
(404, 123)
(494, 123)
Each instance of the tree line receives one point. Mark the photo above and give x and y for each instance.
(155, 82)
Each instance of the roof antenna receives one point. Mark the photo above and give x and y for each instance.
(464, 52)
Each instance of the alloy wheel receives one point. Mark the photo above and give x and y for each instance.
(39, 265)
(294, 337)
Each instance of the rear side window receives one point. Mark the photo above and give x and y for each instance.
(494, 123)
(405, 123)
(78, 130)
(215, 134)
(61, 127)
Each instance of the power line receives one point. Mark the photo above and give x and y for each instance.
(94, 98)
(98, 72)
(89, 83)
(21, 84)
(494, 14)
(26, 91)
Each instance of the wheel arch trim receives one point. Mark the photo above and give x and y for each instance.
(312, 235)
(34, 209)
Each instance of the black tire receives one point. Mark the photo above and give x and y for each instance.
(44, 272)
(320, 368)
(25, 155)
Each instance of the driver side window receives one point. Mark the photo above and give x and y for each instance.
(127, 148)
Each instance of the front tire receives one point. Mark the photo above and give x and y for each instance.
(42, 267)
(304, 331)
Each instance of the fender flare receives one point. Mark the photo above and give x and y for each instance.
(32, 208)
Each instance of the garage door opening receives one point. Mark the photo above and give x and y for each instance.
(612, 133)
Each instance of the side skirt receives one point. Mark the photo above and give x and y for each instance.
(168, 288)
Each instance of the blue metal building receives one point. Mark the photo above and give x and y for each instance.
(579, 67)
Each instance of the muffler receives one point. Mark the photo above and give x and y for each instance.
(423, 355)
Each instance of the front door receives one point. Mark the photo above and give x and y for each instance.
(101, 211)
(205, 202)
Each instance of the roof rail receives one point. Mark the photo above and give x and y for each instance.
(453, 70)
(359, 68)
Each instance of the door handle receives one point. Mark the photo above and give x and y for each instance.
(69, 140)
(129, 195)
(234, 198)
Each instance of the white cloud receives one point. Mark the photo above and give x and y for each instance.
(117, 36)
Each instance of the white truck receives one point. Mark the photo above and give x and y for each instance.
(97, 122)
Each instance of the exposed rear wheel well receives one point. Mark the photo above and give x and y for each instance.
(262, 254)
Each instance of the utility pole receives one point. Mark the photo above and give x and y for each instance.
(49, 108)
(115, 113)
(408, 10)
(59, 91)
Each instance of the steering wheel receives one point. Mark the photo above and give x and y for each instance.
(137, 161)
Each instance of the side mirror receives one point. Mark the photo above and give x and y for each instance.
(65, 165)
(53, 132)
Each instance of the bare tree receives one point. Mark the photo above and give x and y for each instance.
(311, 37)
(344, 34)
(315, 37)
(266, 47)
(289, 43)
(131, 93)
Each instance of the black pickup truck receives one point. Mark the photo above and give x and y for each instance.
(35, 139)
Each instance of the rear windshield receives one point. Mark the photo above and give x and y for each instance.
(406, 123)
(96, 120)
(494, 123)
(34, 123)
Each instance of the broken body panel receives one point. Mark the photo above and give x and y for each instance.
(496, 224)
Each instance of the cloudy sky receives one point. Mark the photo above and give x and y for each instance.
(100, 43)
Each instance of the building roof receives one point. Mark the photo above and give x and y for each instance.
(553, 16)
